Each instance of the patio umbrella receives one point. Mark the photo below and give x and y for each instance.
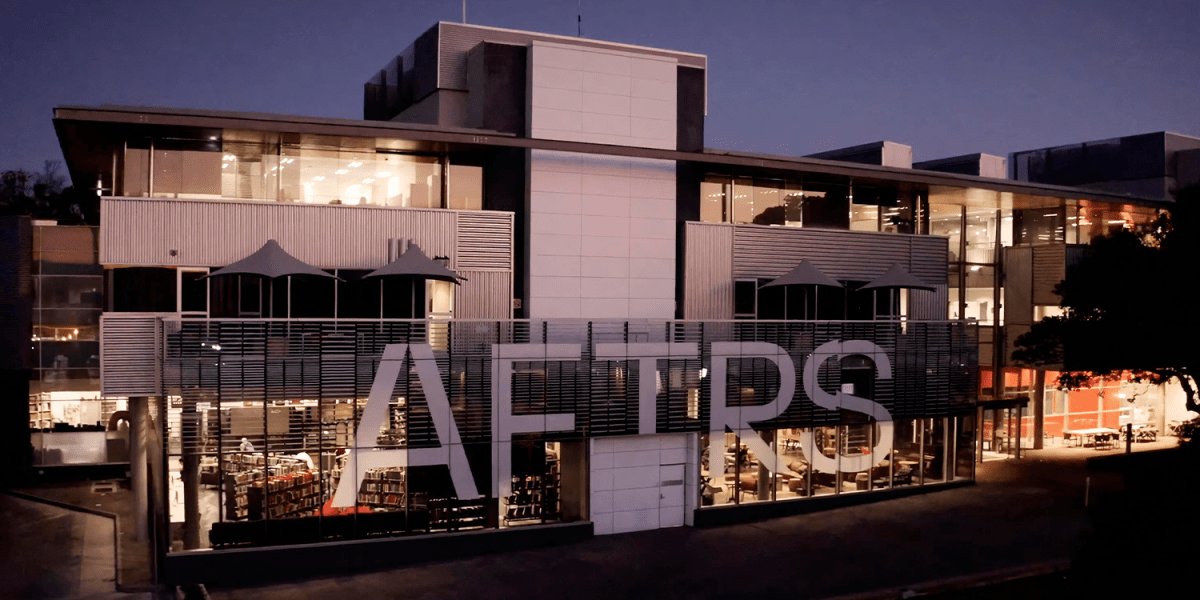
(414, 264)
(271, 262)
(805, 274)
(896, 278)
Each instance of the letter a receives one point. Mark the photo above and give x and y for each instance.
(364, 455)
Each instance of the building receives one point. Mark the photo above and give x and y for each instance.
(611, 330)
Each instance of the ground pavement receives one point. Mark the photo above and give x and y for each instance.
(1021, 514)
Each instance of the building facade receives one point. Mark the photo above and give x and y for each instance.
(611, 356)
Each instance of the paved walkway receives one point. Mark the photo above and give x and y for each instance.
(51, 552)
(1021, 513)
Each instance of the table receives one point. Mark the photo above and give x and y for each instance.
(1095, 433)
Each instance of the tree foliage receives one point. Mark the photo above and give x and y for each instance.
(1130, 306)
(43, 196)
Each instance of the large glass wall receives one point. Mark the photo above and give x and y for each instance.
(311, 170)
(854, 460)
(69, 422)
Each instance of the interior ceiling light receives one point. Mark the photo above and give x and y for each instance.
(368, 180)
(342, 171)
(319, 178)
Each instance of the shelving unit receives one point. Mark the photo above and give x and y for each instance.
(535, 497)
(39, 413)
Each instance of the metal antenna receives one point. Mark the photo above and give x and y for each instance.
(464, 12)
(578, 18)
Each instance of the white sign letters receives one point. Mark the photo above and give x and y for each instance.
(365, 455)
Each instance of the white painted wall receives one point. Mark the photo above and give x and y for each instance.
(641, 482)
(601, 96)
(602, 228)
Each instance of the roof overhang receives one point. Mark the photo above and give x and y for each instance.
(91, 136)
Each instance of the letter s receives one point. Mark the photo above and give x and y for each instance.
(840, 400)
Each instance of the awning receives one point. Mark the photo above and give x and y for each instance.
(897, 278)
(414, 263)
(270, 261)
(804, 274)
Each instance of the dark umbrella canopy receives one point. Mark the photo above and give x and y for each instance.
(270, 261)
(414, 263)
(897, 278)
(804, 274)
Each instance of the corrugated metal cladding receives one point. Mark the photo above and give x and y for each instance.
(929, 306)
(484, 295)
(209, 233)
(1049, 268)
(457, 40)
(129, 349)
(708, 271)
(485, 240)
(761, 251)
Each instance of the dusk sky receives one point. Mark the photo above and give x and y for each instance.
(947, 77)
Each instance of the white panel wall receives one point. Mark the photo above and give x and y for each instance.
(639, 482)
(601, 96)
(602, 229)
(602, 236)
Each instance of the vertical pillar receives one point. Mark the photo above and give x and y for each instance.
(189, 433)
(139, 417)
(1039, 408)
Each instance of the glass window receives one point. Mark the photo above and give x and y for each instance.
(864, 217)
(953, 292)
(906, 444)
(745, 298)
(359, 177)
(143, 289)
(826, 205)
(193, 285)
(982, 235)
(824, 472)
(979, 294)
(187, 173)
(768, 203)
(946, 221)
(935, 455)
(137, 172)
(466, 187)
(1039, 226)
(714, 197)
(964, 451)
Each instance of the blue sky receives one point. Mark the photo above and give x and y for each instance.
(947, 77)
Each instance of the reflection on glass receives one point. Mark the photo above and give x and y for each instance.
(714, 197)
(964, 452)
(824, 477)
(946, 221)
(982, 234)
(979, 295)
(935, 456)
(466, 187)
(864, 217)
(906, 443)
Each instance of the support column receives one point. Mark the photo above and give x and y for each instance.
(189, 423)
(1039, 408)
(140, 417)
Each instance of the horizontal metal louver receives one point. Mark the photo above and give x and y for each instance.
(485, 240)
(260, 367)
(761, 251)
(129, 351)
(1049, 268)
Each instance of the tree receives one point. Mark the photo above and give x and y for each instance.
(42, 196)
(1130, 306)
